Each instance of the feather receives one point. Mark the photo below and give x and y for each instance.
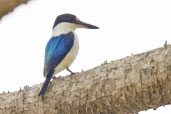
(56, 50)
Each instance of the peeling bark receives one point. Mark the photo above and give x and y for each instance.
(8, 5)
(125, 86)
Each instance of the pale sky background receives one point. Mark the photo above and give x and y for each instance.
(126, 27)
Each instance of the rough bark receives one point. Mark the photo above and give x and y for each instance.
(125, 86)
(8, 5)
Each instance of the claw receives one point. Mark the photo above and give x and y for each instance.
(54, 77)
(70, 71)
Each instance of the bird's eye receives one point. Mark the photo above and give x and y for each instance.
(77, 19)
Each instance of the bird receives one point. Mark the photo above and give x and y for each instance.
(62, 48)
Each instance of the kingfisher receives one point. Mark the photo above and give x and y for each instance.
(62, 48)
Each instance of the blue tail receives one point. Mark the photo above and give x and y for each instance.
(45, 84)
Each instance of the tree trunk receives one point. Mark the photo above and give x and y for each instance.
(132, 84)
(8, 5)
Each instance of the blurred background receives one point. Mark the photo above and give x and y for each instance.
(126, 27)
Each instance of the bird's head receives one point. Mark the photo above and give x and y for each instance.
(71, 21)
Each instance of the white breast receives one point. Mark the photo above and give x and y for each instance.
(69, 58)
(64, 28)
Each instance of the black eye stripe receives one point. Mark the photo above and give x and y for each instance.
(64, 18)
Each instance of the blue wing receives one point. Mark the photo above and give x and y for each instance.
(56, 49)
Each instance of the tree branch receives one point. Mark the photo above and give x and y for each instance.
(125, 86)
(8, 5)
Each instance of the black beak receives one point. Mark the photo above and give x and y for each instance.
(86, 25)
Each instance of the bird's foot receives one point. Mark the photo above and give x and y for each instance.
(72, 73)
(54, 77)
